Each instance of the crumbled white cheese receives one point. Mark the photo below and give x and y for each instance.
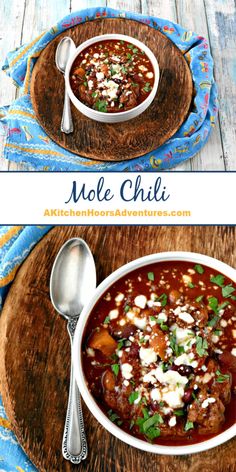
(223, 323)
(174, 397)
(142, 68)
(186, 317)
(204, 368)
(90, 351)
(100, 76)
(170, 377)
(234, 333)
(184, 359)
(215, 338)
(122, 322)
(126, 383)
(172, 421)
(90, 84)
(126, 370)
(149, 75)
(162, 316)
(140, 322)
(119, 297)
(130, 314)
(96, 55)
(208, 401)
(149, 377)
(113, 314)
(140, 301)
(155, 394)
(233, 352)
(183, 335)
(147, 356)
(186, 279)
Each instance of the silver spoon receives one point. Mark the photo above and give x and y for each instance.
(72, 282)
(63, 52)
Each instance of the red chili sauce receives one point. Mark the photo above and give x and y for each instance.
(112, 76)
(159, 353)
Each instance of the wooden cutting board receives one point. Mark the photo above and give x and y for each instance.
(35, 352)
(119, 141)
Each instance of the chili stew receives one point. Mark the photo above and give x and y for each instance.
(112, 76)
(159, 353)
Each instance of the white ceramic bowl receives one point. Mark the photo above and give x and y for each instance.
(123, 115)
(80, 378)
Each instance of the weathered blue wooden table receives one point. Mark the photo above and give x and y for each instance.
(23, 20)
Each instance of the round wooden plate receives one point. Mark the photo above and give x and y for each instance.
(35, 351)
(119, 141)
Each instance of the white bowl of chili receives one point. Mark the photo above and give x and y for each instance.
(216, 278)
(112, 78)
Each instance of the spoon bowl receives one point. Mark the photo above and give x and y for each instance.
(72, 278)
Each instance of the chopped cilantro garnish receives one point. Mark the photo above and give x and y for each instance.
(213, 321)
(120, 343)
(199, 269)
(101, 105)
(85, 83)
(107, 320)
(147, 87)
(142, 340)
(223, 305)
(218, 280)
(179, 412)
(155, 419)
(188, 425)
(115, 368)
(233, 298)
(121, 105)
(153, 318)
(162, 299)
(213, 303)
(199, 299)
(133, 396)
(132, 423)
(201, 346)
(191, 285)
(217, 332)
(150, 276)
(94, 94)
(129, 56)
(114, 417)
(126, 308)
(227, 290)
(221, 377)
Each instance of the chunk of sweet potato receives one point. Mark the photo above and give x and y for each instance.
(158, 342)
(80, 72)
(103, 341)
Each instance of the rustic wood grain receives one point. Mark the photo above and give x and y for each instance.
(119, 141)
(35, 352)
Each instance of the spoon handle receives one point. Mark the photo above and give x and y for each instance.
(66, 121)
(74, 444)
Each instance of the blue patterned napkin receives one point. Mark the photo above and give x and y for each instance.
(25, 140)
(16, 242)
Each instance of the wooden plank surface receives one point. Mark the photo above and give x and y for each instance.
(22, 20)
(35, 352)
